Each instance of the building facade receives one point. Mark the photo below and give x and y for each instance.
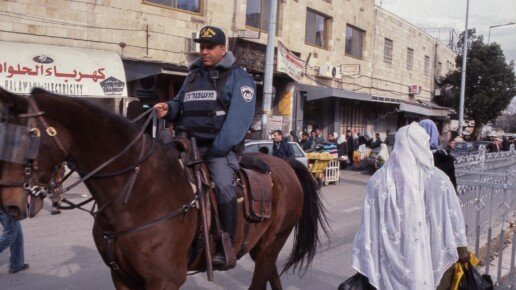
(364, 67)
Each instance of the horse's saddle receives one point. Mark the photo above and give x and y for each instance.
(254, 180)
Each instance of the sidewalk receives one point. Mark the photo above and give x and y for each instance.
(508, 282)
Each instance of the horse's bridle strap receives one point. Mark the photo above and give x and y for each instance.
(38, 114)
(31, 115)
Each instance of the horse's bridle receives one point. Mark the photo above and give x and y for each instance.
(30, 184)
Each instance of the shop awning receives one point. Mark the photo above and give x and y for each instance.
(320, 92)
(431, 110)
(63, 70)
(137, 69)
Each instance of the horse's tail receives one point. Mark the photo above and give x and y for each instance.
(306, 233)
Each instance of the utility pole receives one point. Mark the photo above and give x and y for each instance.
(269, 69)
(463, 74)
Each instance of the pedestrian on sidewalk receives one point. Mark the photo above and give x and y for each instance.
(405, 240)
(12, 237)
(442, 159)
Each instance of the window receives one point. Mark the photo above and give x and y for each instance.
(387, 51)
(254, 16)
(410, 58)
(316, 31)
(449, 65)
(427, 65)
(438, 69)
(354, 41)
(187, 5)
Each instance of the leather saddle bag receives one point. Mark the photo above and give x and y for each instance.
(257, 189)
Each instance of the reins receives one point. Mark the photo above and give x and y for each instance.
(109, 161)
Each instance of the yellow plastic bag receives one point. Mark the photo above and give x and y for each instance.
(459, 270)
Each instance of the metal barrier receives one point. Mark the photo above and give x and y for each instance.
(488, 199)
(332, 172)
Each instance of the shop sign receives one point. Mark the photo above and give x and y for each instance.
(61, 70)
(275, 123)
(289, 63)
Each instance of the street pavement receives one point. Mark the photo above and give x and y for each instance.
(62, 255)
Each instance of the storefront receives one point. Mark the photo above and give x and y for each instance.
(76, 72)
(337, 110)
(151, 82)
(427, 110)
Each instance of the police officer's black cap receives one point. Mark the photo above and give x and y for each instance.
(211, 34)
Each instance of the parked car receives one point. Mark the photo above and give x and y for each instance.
(462, 148)
(255, 145)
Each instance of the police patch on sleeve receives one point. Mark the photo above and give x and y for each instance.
(247, 93)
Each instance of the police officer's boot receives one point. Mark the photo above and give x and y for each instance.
(227, 215)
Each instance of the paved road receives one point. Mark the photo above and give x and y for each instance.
(62, 255)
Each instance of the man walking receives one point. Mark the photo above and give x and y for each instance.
(216, 105)
(12, 237)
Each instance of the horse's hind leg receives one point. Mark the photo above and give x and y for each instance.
(265, 255)
(274, 279)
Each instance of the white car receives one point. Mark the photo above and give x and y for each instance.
(255, 145)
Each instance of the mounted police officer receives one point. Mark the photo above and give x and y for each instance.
(216, 105)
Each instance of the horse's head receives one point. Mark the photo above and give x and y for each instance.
(30, 156)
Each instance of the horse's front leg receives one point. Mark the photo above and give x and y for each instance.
(159, 284)
(152, 283)
(119, 282)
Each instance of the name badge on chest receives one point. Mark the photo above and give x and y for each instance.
(200, 96)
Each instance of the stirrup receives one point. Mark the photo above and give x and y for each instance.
(219, 260)
(225, 257)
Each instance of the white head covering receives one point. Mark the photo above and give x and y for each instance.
(384, 152)
(412, 222)
(342, 139)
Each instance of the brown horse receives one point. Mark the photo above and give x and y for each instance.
(156, 256)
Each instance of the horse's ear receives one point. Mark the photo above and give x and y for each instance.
(12, 103)
(39, 91)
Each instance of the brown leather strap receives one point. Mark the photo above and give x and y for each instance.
(39, 115)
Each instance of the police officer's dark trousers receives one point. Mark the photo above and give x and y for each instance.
(223, 172)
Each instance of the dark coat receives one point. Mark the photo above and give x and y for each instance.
(445, 162)
(307, 145)
(282, 149)
(376, 144)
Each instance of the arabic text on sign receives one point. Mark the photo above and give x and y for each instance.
(41, 70)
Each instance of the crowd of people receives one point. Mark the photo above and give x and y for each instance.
(344, 145)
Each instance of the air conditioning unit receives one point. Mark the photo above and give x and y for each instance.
(193, 46)
(145, 88)
(414, 89)
(329, 71)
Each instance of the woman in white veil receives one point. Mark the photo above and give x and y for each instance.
(412, 222)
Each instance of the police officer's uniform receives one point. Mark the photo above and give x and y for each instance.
(216, 106)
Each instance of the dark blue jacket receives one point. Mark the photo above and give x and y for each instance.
(239, 96)
(283, 149)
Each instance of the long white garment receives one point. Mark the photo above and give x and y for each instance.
(412, 222)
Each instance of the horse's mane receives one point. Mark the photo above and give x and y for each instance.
(78, 105)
